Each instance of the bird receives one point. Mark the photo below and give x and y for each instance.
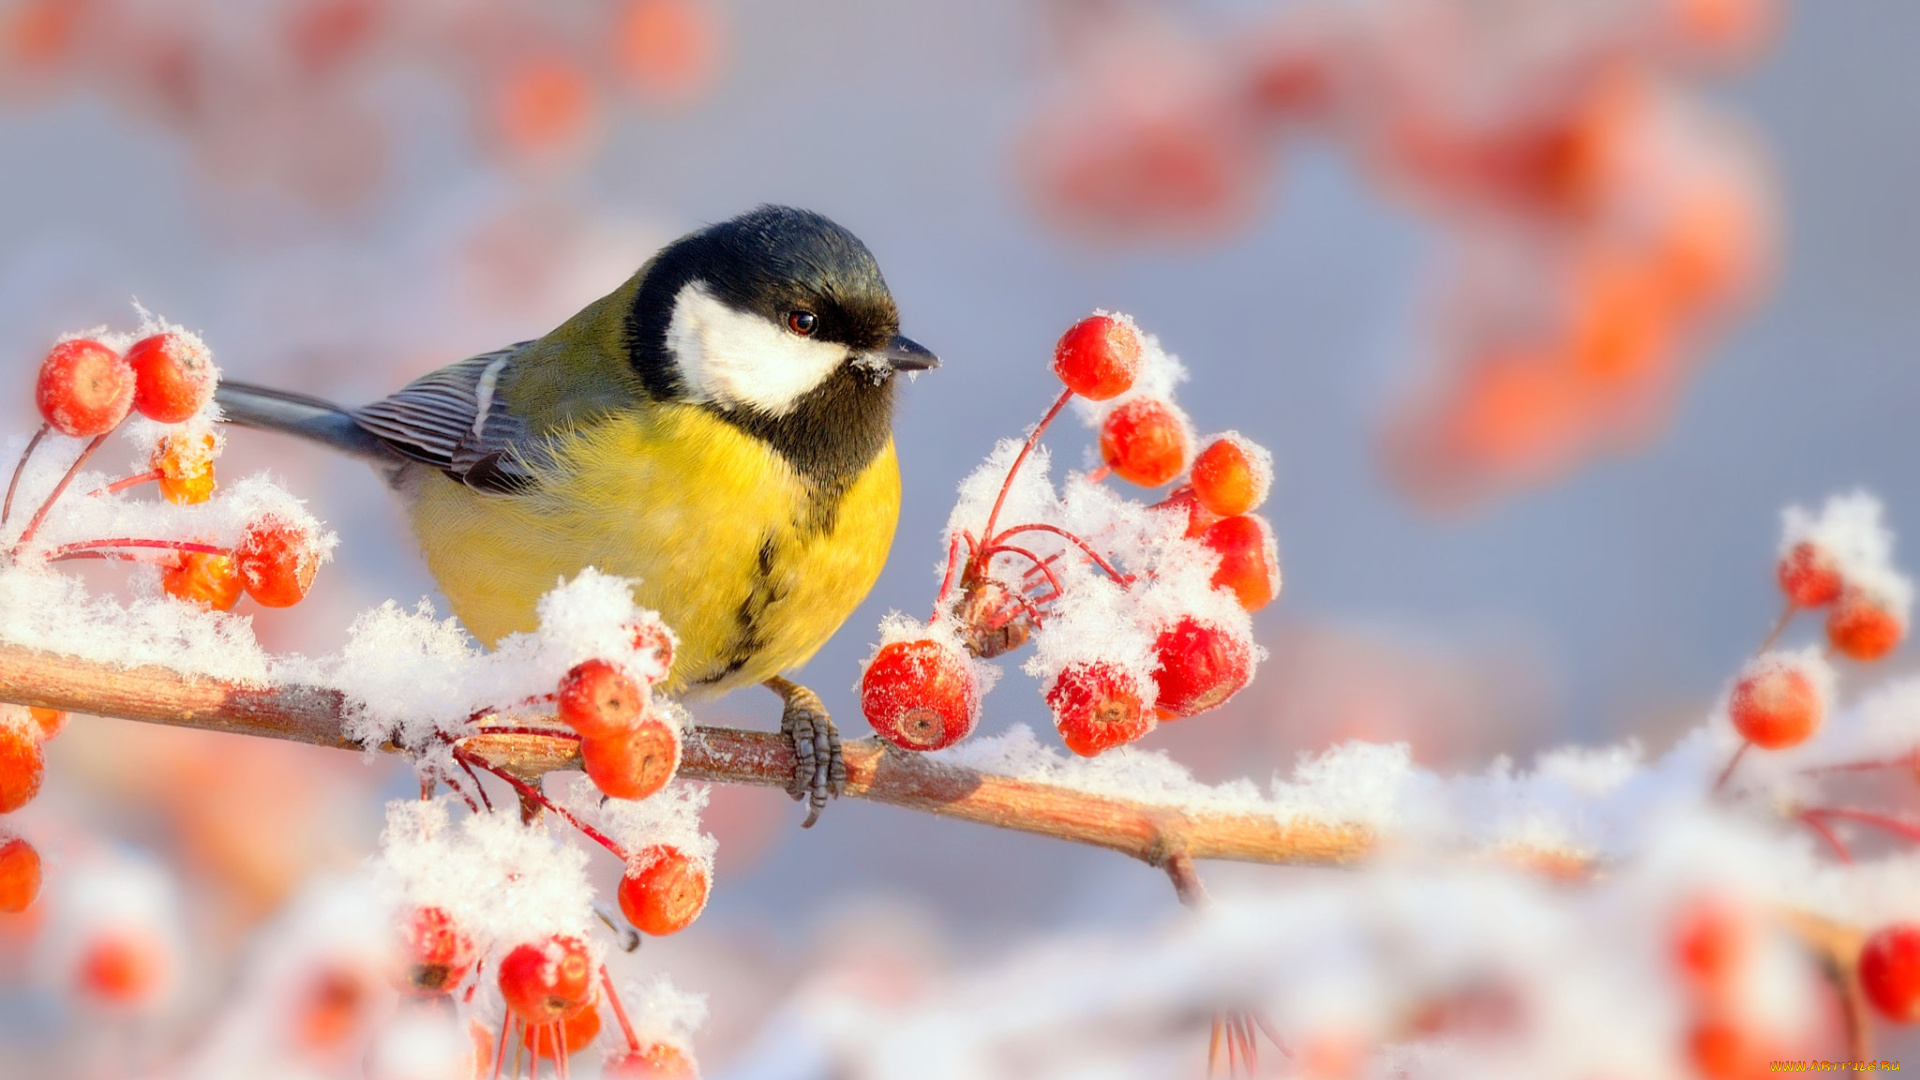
(719, 429)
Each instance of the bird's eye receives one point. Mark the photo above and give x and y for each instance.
(802, 322)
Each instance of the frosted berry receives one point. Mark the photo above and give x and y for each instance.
(1097, 707)
(547, 981)
(1200, 666)
(85, 388)
(438, 954)
(1195, 515)
(22, 765)
(1809, 576)
(658, 1061)
(920, 695)
(122, 966)
(1145, 441)
(185, 463)
(1098, 357)
(1890, 971)
(173, 377)
(1775, 706)
(1862, 627)
(1231, 476)
(1249, 559)
(576, 1032)
(211, 581)
(633, 764)
(277, 561)
(599, 699)
(19, 876)
(50, 721)
(663, 890)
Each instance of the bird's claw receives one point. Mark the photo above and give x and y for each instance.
(819, 768)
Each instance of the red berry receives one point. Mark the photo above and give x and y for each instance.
(1201, 665)
(920, 695)
(663, 890)
(19, 875)
(1722, 1049)
(212, 581)
(1711, 944)
(1145, 441)
(22, 765)
(438, 955)
(277, 561)
(1862, 627)
(1890, 971)
(50, 720)
(1097, 707)
(1775, 706)
(173, 377)
(334, 1007)
(85, 388)
(658, 1061)
(549, 981)
(1183, 500)
(1098, 357)
(599, 699)
(1809, 576)
(122, 966)
(633, 764)
(1249, 559)
(576, 1032)
(1231, 476)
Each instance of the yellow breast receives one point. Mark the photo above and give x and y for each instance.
(749, 566)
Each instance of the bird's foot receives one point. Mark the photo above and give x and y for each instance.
(819, 769)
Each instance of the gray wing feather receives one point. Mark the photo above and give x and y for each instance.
(454, 420)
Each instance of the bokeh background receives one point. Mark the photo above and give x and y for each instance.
(340, 196)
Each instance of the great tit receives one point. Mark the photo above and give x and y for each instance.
(719, 429)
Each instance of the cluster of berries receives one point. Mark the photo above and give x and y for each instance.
(22, 766)
(87, 390)
(1139, 612)
(629, 746)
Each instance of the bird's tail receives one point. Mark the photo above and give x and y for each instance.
(297, 414)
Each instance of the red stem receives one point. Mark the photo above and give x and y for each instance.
(1027, 448)
(477, 786)
(1779, 626)
(1727, 773)
(68, 550)
(619, 1011)
(987, 554)
(946, 583)
(1000, 541)
(1833, 840)
(1904, 761)
(132, 481)
(1905, 829)
(6, 511)
(41, 514)
(528, 791)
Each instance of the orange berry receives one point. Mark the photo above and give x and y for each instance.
(547, 981)
(544, 104)
(172, 378)
(212, 581)
(1775, 706)
(50, 720)
(668, 50)
(437, 953)
(1096, 707)
(920, 695)
(277, 561)
(1249, 559)
(1711, 944)
(22, 765)
(664, 890)
(1721, 1049)
(576, 1032)
(1809, 575)
(84, 388)
(1098, 357)
(122, 966)
(633, 764)
(599, 699)
(1200, 666)
(19, 876)
(1862, 627)
(1146, 441)
(335, 1006)
(1231, 476)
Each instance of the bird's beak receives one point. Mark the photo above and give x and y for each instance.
(905, 354)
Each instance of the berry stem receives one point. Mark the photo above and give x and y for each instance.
(6, 511)
(1906, 830)
(619, 1011)
(1727, 773)
(1826, 833)
(946, 582)
(533, 795)
(1033, 439)
(1100, 560)
(1779, 626)
(485, 799)
(67, 551)
(1904, 761)
(123, 484)
(987, 554)
(41, 514)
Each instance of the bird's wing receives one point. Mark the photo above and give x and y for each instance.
(455, 420)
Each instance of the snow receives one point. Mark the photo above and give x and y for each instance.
(1849, 528)
(661, 1013)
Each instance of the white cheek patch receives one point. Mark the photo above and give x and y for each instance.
(734, 358)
